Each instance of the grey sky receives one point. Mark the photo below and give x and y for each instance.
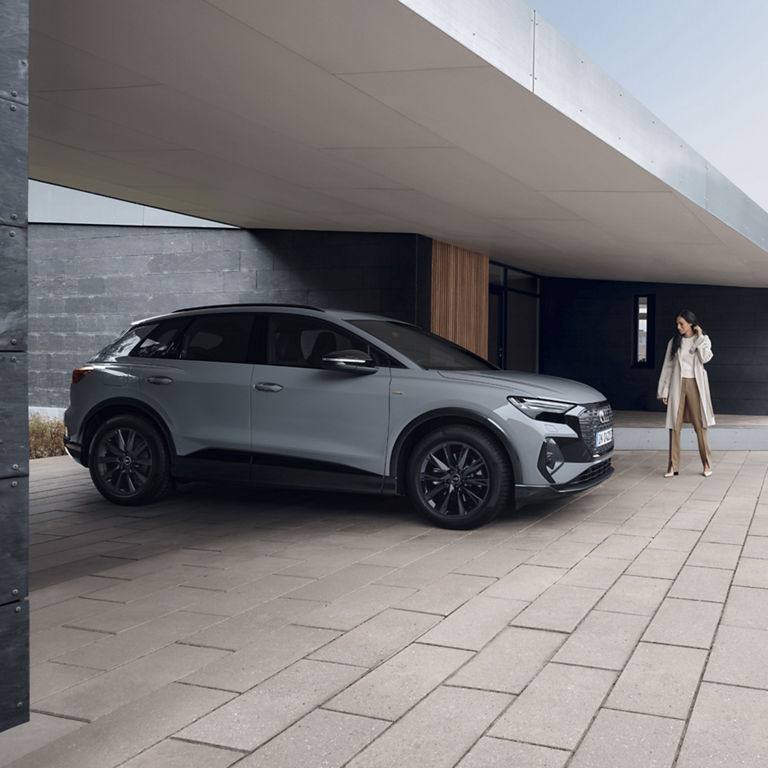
(699, 65)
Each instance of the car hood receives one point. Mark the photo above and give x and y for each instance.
(530, 385)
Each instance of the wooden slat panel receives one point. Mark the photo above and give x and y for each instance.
(459, 302)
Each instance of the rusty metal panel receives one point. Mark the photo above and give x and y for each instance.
(13, 289)
(14, 663)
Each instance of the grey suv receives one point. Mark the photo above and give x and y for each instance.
(297, 396)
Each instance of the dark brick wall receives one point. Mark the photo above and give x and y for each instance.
(87, 283)
(586, 333)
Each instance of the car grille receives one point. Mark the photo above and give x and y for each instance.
(593, 474)
(592, 420)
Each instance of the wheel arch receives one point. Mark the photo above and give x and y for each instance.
(121, 405)
(443, 417)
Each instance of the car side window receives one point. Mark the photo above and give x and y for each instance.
(218, 338)
(301, 342)
(162, 340)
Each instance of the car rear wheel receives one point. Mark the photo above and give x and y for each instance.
(459, 477)
(128, 461)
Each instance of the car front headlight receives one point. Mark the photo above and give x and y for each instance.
(541, 410)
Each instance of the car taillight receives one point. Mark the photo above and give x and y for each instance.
(80, 373)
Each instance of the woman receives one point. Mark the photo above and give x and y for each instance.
(684, 389)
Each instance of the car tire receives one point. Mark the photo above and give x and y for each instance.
(128, 461)
(459, 477)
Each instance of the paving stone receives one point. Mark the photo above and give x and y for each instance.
(629, 740)
(562, 553)
(622, 547)
(33, 735)
(247, 597)
(128, 731)
(255, 717)
(341, 582)
(560, 608)
(240, 631)
(243, 573)
(590, 532)
(675, 539)
(49, 677)
(436, 732)
(684, 622)
(68, 612)
(756, 547)
(711, 555)
(97, 696)
(268, 653)
(378, 638)
(122, 616)
(54, 642)
(133, 589)
(498, 753)
(349, 610)
(474, 624)
(316, 560)
(726, 729)
(604, 640)
(510, 661)
(635, 594)
(322, 738)
(526, 582)
(595, 572)
(391, 689)
(445, 596)
(752, 572)
(725, 533)
(659, 680)
(429, 569)
(114, 650)
(414, 549)
(56, 593)
(659, 563)
(496, 562)
(556, 708)
(746, 607)
(739, 657)
(697, 583)
(180, 754)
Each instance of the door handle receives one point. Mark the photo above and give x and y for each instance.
(160, 380)
(267, 386)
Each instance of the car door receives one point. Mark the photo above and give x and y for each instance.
(312, 417)
(201, 387)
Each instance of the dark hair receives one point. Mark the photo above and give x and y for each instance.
(689, 317)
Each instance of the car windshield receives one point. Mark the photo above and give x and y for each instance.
(425, 349)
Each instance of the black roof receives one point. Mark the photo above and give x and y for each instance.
(249, 304)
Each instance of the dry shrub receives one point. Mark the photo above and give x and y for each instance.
(46, 437)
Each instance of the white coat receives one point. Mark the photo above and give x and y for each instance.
(671, 380)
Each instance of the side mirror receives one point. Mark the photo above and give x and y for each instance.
(349, 360)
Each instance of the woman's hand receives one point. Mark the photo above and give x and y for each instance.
(664, 400)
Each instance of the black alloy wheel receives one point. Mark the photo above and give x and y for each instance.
(459, 477)
(128, 461)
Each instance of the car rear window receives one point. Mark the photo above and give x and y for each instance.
(218, 338)
(161, 341)
(124, 343)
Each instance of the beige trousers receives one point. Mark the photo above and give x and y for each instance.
(689, 410)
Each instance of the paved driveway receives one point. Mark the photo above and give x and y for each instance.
(626, 627)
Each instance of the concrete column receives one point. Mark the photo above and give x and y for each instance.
(14, 431)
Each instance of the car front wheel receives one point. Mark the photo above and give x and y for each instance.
(128, 461)
(459, 477)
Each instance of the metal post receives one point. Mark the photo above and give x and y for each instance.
(14, 430)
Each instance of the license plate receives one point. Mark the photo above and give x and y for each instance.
(604, 437)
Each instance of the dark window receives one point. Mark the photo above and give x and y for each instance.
(424, 349)
(123, 345)
(644, 313)
(301, 342)
(162, 339)
(218, 338)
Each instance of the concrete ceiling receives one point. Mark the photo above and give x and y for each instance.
(433, 116)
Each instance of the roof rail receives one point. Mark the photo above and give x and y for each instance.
(248, 304)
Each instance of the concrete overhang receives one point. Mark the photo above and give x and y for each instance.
(470, 121)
